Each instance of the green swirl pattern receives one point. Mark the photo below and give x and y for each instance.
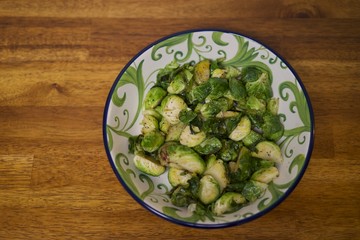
(237, 51)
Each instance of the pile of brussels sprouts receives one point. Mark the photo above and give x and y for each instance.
(214, 128)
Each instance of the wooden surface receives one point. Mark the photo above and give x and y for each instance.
(58, 60)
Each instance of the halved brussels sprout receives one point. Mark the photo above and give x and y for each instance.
(202, 71)
(219, 87)
(252, 139)
(192, 137)
(149, 123)
(179, 177)
(255, 103)
(272, 127)
(269, 151)
(177, 85)
(229, 150)
(154, 97)
(148, 165)
(218, 171)
(253, 190)
(164, 125)
(273, 106)
(218, 73)
(242, 129)
(209, 189)
(209, 146)
(171, 108)
(152, 141)
(265, 175)
(173, 154)
(174, 132)
(260, 88)
(229, 202)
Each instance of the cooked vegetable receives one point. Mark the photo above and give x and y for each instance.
(192, 137)
(202, 71)
(154, 97)
(253, 190)
(209, 146)
(242, 129)
(148, 165)
(229, 202)
(260, 88)
(179, 177)
(152, 141)
(209, 189)
(269, 151)
(265, 175)
(171, 108)
(215, 129)
(218, 171)
(173, 154)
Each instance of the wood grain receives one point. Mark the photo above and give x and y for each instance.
(58, 60)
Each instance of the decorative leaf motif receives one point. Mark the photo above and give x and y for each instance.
(300, 101)
(298, 161)
(125, 174)
(216, 37)
(168, 43)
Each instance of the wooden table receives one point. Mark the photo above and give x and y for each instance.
(58, 60)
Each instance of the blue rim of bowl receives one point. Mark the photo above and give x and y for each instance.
(217, 225)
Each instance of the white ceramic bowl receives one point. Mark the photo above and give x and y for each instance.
(122, 116)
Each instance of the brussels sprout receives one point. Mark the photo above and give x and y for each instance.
(149, 124)
(218, 73)
(218, 171)
(152, 141)
(164, 125)
(227, 114)
(265, 175)
(237, 89)
(152, 112)
(229, 151)
(179, 177)
(253, 190)
(268, 151)
(242, 129)
(135, 144)
(174, 132)
(255, 103)
(250, 74)
(177, 86)
(182, 197)
(261, 163)
(213, 107)
(272, 128)
(232, 72)
(199, 93)
(245, 165)
(229, 202)
(209, 146)
(209, 189)
(179, 156)
(202, 71)
(252, 139)
(273, 105)
(148, 165)
(171, 108)
(187, 115)
(232, 122)
(219, 86)
(154, 97)
(260, 88)
(192, 137)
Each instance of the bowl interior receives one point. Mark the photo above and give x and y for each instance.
(123, 108)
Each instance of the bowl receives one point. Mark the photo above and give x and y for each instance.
(123, 114)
